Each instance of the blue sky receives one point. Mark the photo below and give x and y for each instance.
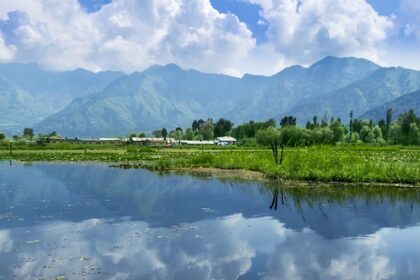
(223, 36)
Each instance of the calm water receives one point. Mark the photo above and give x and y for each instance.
(96, 222)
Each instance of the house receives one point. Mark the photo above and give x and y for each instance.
(225, 140)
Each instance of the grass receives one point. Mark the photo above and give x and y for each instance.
(391, 164)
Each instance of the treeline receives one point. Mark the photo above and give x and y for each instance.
(404, 131)
(199, 130)
(28, 135)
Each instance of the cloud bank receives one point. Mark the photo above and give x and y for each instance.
(131, 35)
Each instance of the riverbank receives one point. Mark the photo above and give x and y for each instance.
(360, 164)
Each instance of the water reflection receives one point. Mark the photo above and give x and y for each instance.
(94, 222)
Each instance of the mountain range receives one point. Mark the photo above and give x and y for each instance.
(86, 104)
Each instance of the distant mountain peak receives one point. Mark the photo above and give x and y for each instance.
(332, 60)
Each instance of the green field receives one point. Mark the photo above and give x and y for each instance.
(391, 164)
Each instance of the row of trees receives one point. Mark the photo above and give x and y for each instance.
(405, 130)
(199, 130)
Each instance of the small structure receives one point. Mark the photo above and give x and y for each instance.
(146, 141)
(225, 140)
(194, 142)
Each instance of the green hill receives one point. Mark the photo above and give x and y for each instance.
(168, 96)
(400, 105)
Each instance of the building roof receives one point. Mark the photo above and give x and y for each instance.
(150, 139)
(196, 142)
(226, 139)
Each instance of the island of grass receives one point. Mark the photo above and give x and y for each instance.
(339, 163)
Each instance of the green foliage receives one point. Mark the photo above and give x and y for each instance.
(222, 127)
(28, 133)
(345, 163)
(164, 133)
(157, 133)
(139, 149)
(249, 130)
(206, 130)
(288, 121)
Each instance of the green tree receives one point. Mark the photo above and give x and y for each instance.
(222, 127)
(270, 137)
(405, 120)
(288, 121)
(388, 123)
(206, 129)
(2, 136)
(413, 134)
(338, 131)
(189, 134)
(28, 133)
(157, 133)
(324, 120)
(164, 133)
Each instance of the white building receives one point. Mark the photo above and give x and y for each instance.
(225, 140)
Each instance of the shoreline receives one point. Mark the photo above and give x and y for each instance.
(316, 165)
(256, 176)
(224, 174)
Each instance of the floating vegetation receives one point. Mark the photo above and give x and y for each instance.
(390, 164)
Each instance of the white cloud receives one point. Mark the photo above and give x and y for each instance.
(224, 248)
(131, 35)
(126, 34)
(306, 30)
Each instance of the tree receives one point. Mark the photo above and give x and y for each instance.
(315, 119)
(377, 132)
(338, 131)
(324, 120)
(367, 135)
(132, 134)
(2, 136)
(157, 133)
(222, 127)
(206, 129)
(382, 126)
(288, 121)
(189, 134)
(176, 134)
(351, 124)
(28, 133)
(270, 137)
(164, 133)
(388, 123)
(413, 135)
(142, 135)
(196, 125)
(249, 130)
(405, 120)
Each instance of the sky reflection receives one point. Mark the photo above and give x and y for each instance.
(96, 222)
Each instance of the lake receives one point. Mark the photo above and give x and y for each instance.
(91, 221)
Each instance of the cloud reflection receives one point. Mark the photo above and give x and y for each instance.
(222, 248)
